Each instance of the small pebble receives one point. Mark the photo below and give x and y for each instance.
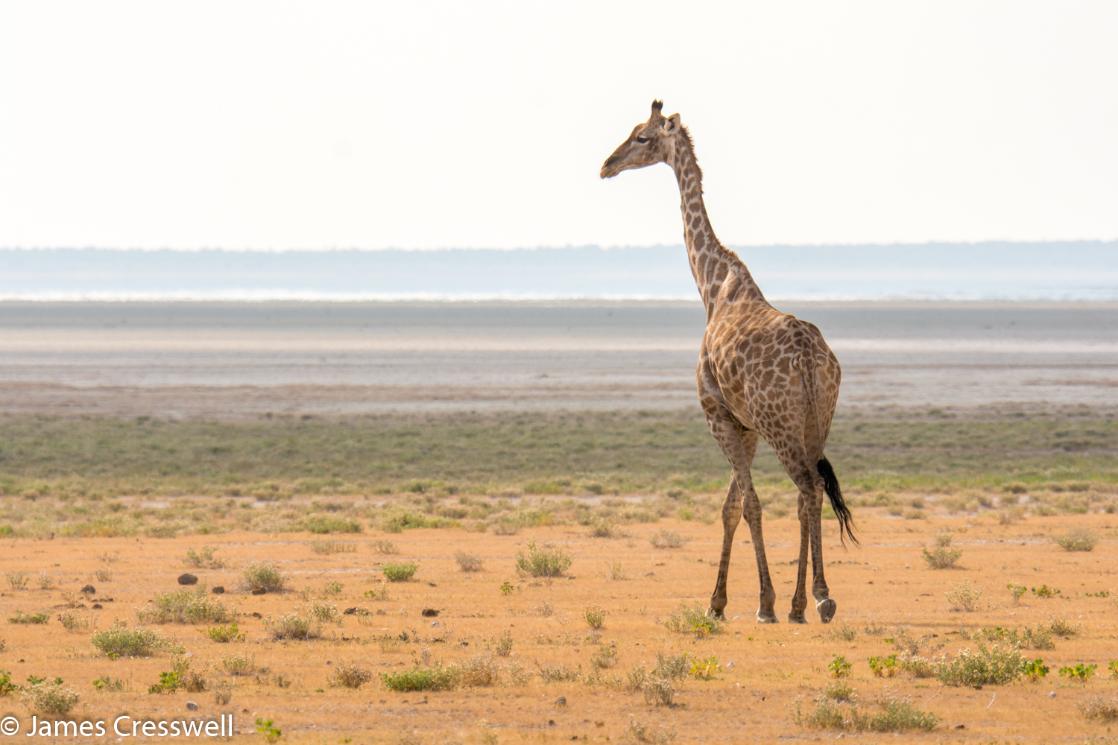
(217, 590)
(561, 701)
(191, 706)
(187, 579)
(89, 590)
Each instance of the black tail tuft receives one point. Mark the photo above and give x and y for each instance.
(834, 493)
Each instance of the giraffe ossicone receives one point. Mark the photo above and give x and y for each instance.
(761, 373)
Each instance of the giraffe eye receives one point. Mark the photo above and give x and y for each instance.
(642, 140)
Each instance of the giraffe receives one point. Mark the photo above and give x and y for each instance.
(761, 373)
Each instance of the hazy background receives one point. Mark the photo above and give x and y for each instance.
(442, 124)
(1053, 271)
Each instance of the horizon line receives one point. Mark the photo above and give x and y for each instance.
(563, 247)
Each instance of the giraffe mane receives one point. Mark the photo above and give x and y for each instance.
(686, 135)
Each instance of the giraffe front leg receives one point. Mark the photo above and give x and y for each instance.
(731, 516)
(751, 508)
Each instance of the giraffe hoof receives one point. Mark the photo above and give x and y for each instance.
(766, 617)
(716, 614)
(796, 618)
(826, 608)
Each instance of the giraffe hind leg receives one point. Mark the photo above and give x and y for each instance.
(739, 446)
(810, 505)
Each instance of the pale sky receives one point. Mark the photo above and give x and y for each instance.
(483, 124)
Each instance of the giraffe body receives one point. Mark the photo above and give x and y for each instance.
(761, 374)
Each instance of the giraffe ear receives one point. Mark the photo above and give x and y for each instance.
(671, 124)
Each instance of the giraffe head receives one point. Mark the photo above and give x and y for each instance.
(650, 142)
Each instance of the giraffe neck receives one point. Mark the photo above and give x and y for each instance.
(711, 262)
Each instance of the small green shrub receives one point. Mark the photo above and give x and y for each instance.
(884, 666)
(604, 657)
(399, 572)
(964, 597)
(350, 676)
(120, 641)
(468, 562)
(671, 666)
(184, 606)
(705, 669)
(421, 679)
(1017, 591)
(105, 683)
(7, 687)
(1044, 592)
(666, 539)
(603, 528)
(50, 699)
(267, 729)
(34, 619)
(400, 522)
(480, 671)
(262, 578)
(917, 666)
(1034, 669)
(1039, 637)
(1079, 671)
(324, 613)
(595, 617)
(558, 674)
(1079, 539)
(994, 665)
(891, 715)
(225, 634)
(239, 665)
(73, 622)
(295, 627)
(942, 556)
(203, 559)
(840, 691)
(1061, 628)
(179, 677)
(839, 667)
(17, 580)
(323, 524)
(658, 691)
(542, 562)
(503, 646)
(1100, 709)
(693, 621)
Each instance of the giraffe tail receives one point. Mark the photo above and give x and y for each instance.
(838, 504)
(814, 444)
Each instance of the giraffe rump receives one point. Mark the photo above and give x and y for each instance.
(838, 504)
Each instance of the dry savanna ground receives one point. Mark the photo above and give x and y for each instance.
(472, 647)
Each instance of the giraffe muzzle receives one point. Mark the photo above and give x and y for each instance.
(609, 169)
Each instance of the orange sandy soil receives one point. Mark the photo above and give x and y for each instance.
(766, 669)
